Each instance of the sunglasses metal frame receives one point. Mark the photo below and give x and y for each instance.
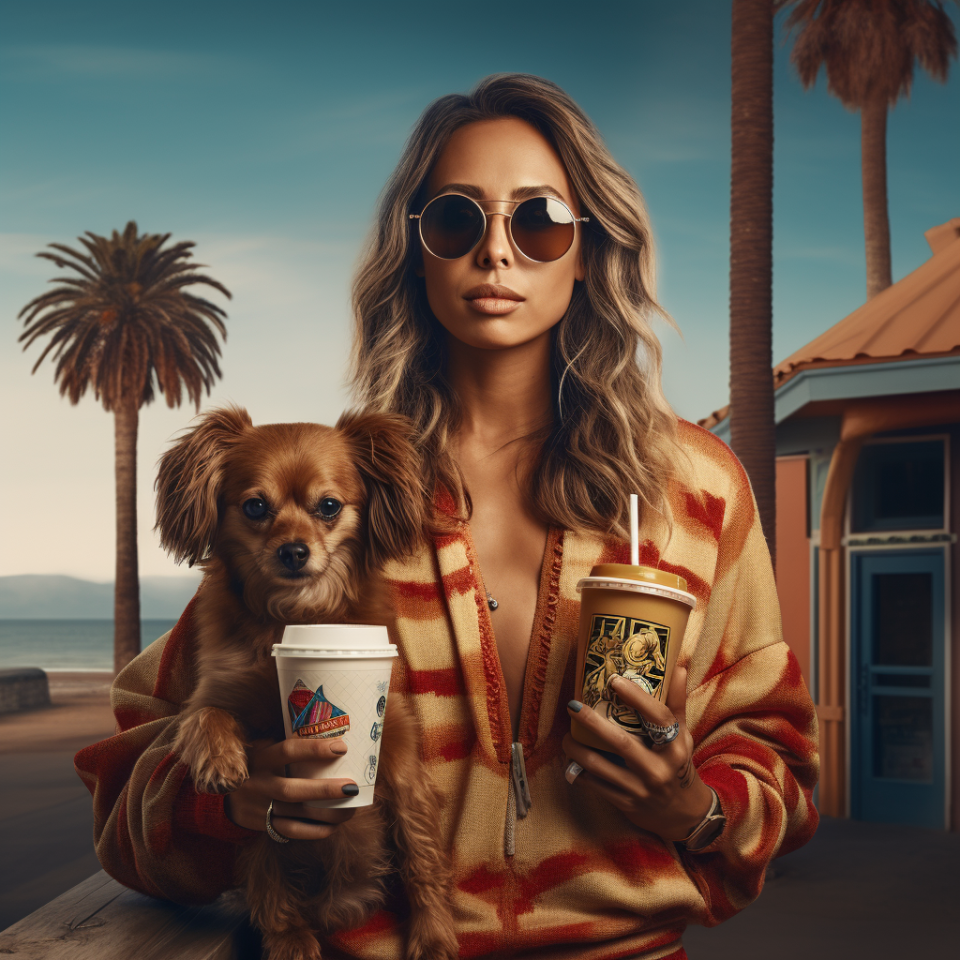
(509, 216)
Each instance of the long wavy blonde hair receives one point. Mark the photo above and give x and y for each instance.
(613, 432)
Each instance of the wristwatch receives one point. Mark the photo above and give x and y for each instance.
(708, 829)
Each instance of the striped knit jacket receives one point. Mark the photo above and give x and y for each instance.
(573, 878)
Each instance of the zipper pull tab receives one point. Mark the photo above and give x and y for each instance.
(518, 773)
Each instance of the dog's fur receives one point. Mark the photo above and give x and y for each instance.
(366, 462)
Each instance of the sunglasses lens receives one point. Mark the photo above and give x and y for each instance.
(451, 226)
(543, 229)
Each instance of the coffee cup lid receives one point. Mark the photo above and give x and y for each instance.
(340, 635)
(327, 639)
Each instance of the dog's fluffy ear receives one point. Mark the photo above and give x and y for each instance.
(388, 461)
(189, 480)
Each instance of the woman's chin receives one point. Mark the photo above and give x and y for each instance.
(496, 334)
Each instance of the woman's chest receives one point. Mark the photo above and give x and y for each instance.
(509, 544)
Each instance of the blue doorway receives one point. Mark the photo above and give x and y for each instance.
(898, 738)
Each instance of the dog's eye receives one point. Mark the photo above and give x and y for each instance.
(328, 508)
(255, 508)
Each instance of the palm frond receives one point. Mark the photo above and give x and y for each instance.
(83, 265)
(868, 48)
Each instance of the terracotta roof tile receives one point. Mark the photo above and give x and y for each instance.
(918, 316)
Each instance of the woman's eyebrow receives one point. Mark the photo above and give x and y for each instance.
(541, 190)
(466, 189)
(521, 193)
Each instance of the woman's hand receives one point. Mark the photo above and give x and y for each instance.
(658, 789)
(247, 805)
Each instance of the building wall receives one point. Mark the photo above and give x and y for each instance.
(793, 558)
(953, 660)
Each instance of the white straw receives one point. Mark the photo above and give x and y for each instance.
(634, 531)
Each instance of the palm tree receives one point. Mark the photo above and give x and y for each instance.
(123, 326)
(868, 49)
(751, 254)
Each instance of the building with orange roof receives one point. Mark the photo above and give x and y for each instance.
(868, 493)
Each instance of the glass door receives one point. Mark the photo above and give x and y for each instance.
(898, 741)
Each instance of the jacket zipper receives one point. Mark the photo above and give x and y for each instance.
(518, 799)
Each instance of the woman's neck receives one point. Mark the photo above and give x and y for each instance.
(504, 394)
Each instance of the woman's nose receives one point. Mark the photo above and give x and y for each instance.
(494, 249)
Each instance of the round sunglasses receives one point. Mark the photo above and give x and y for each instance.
(541, 228)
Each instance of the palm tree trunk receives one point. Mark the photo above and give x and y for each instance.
(126, 602)
(751, 254)
(876, 219)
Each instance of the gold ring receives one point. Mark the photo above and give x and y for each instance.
(271, 830)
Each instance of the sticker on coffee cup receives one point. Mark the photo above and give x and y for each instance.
(313, 715)
(623, 646)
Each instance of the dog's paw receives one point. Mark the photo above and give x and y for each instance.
(223, 778)
(210, 742)
(291, 944)
(430, 938)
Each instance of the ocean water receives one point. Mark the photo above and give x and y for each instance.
(66, 644)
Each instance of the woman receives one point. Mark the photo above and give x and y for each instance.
(501, 305)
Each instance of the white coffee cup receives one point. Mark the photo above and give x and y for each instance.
(334, 682)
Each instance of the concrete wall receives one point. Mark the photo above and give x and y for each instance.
(23, 689)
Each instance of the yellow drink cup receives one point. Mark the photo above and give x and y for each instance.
(632, 620)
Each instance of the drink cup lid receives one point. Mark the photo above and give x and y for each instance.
(335, 639)
(626, 571)
(633, 579)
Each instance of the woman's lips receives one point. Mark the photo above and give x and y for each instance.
(493, 299)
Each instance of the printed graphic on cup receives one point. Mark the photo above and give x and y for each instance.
(636, 650)
(313, 715)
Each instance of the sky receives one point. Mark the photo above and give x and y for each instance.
(265, 132)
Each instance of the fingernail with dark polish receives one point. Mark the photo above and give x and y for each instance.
(575, 705)
(350, 790)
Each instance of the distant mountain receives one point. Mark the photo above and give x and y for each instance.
(39, 597)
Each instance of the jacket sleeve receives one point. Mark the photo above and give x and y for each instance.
(152, 830)
(753, 723)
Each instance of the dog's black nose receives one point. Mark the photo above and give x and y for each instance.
(293, 555)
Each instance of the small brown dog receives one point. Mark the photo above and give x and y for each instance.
(291, 524)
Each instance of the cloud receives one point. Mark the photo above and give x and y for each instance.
(269, 274)
(18, 254)
(100, 62)
(833, 253)
(382, 120)
(671, 130)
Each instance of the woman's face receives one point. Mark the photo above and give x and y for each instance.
(493, 161)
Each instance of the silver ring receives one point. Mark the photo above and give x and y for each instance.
(662, 735)
(271, 830)
(572, 772)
